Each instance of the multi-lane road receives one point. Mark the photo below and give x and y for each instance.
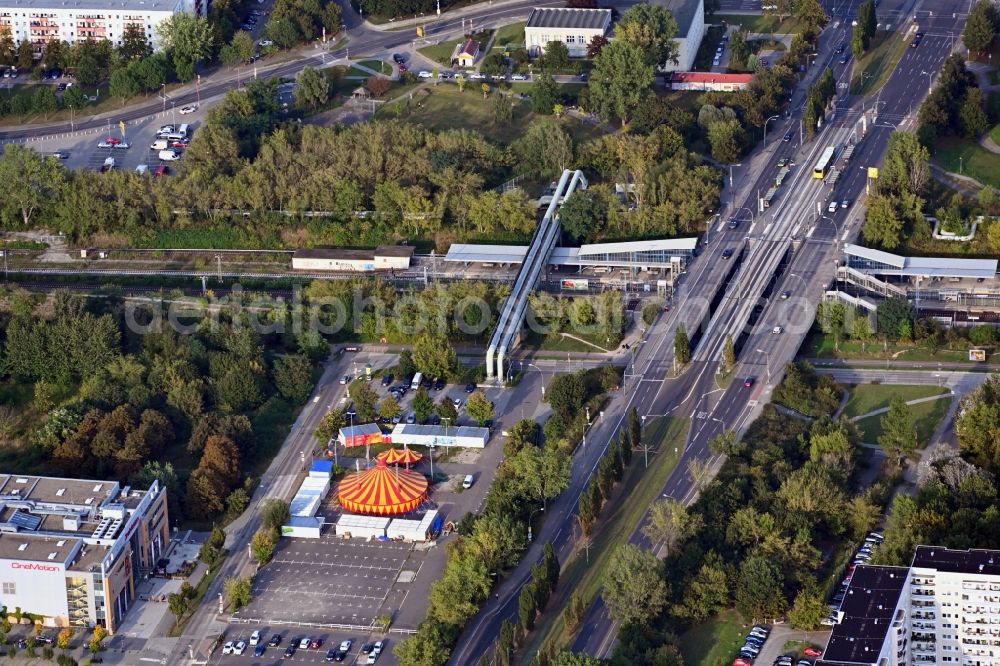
(763, 240)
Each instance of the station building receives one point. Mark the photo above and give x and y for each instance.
(384, 258)
(74, 551)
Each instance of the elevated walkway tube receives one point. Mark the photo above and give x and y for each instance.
(498, 333)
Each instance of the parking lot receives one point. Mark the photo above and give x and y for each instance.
(331, 581)
(276, 655)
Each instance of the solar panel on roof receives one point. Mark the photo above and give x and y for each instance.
(25, 520)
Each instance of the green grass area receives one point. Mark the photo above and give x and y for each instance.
(714, 642)
(867, 398)
(510, 36)
(818, 345)
(584, 573)
(926, 417)
(443, 107)
(968, 158)
(440, 53)
(995, 130)
(379, 66)
(562, 343)
(872, 70)
(762, 23)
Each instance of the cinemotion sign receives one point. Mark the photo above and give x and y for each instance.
(33, 566)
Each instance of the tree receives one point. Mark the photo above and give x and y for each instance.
(545, 149)
(389, 409)
(810, 12)
(123, 85)
(574, 659)
(892, 313)
(422, 405)
(981, 26)
(581, 215)
(365, 400)
(739, 49)
(238, 591)
(485, 87)
(883, 227)
(729, 354)
(555, 57)
(527, 606)
(240, 49)
(64, 639)
(446, 410)
(906, 167)
(313, 88)
(27, 180)
(262, 545)
(177, 603)
(44, 100)
(282, 32)
(861, 330)
(759, 592)
(406, 366)
(552, 567)
(595, 45)
(74, 98)
(275, 513)
(726, 139)
(542, 473)
(502, 109)
(545, 93)
(832, 315)
(189, 39)
(330, 425)
(620, 79)
(670, 524)
(566, 394)
(134, 43)
(682, 346)
(378, 86)
(633, 590)
(97, 638)
(899, 435)
(651, 28)
(808, 610)
(434, 356)
(293, 377)
(25, 54)
(480, 408)
(7, 48)
(706, 593)
(972, 116)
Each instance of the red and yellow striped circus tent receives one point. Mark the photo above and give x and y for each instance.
(382, 492)
(396, 457)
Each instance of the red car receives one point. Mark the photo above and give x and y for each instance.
(315, 643)
(402, 68)
(812, 652)
(740, 661)
(179, 144)
(748, 382)
(112, 140)
(161, 171)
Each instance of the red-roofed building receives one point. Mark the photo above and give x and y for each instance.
(716, 81)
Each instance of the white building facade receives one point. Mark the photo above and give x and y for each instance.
(690, 15)
(574, 27)
(41, 21)
(946, 610)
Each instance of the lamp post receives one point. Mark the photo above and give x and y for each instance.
(530, 516)
(929, 75)
(765, 127)
(163, 96)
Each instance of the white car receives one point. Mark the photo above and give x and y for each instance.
(345, 646)
(190, 108)
(376, 651)
(832, 208)
(304, 643)
(240, 648)
(264, 43)
(777, 330)
(518, 77)
(424, 74)
(228, 648)
(121, 146)
(255, 637)
(169, 155)
(476, 76)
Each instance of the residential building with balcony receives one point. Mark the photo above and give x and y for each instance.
(942, 609)
(41, 21)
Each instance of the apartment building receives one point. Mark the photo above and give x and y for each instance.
(41, 21)
(74, 551)
(942, 609)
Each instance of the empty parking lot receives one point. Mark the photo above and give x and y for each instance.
(332, 581)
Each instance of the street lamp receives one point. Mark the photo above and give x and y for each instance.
(929, 74)
(767, 364)
(542, 375)
(530, 516)
(765, 126)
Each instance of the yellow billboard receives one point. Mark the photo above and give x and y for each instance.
(873, 173)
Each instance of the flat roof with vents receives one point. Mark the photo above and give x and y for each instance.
(868, 609)
(37, 548)
(57, 491)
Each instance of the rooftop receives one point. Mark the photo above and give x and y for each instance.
(584, 255)
(338, 253)
(868, 610)
(986, 562)
(586, 19)
(98, 5)
(710, 77)
(440, 431)
(36, 548)
(924, 266)
(684, 11)
(50, 490)
(470, 48)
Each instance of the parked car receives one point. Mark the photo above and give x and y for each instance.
(228, 647)
(60, 155)
(315, 643)
(240, 647)
(259, 650)
(812, 652)
(331, 655)
(162, 170)
(518, 77)
(346, 379)
(264, 43)
(304, 643)
(470, 387)
(424, 74)
(255, 637)
(439, 383)
(275, 640)
(109, 142)
(290, 650)
(387, 380)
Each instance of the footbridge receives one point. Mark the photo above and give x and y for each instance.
(508, 328)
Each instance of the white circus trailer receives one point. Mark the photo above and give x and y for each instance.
(361, 527)
(424, 435)
(412, 530)
(303, 507)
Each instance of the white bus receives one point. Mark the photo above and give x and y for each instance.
(417, 378)
(823, 165)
